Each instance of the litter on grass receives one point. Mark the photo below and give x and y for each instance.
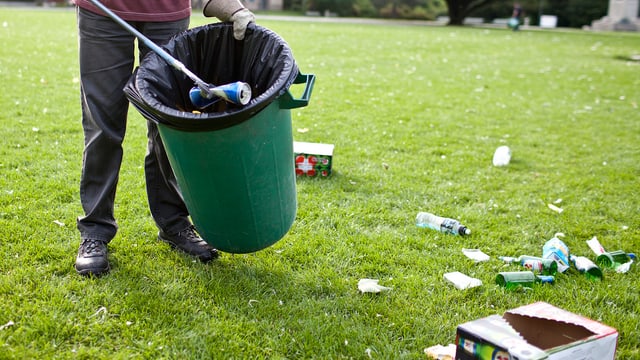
(440, 352)
(10, 323)
(475, 254)
(555, 249)
(462, 281)
(624, 268)
(502, 156)
(371, 286)
(619, 260)
(595, 246)
(101, 310)
(555, 208)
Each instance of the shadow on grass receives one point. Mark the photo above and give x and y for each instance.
(635, 58)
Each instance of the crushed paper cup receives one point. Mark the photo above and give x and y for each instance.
(371, 286)
(462, 281)
(475, 254)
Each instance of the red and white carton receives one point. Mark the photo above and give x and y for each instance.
(312, 159)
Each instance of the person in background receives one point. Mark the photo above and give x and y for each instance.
(514, 21)
(107, 56)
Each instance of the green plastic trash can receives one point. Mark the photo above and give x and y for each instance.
(234, 165)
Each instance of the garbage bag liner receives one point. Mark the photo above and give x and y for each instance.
(263, 60)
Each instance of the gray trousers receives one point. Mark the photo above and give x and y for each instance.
(107, 54)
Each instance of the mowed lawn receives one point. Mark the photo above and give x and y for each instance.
(415, 114)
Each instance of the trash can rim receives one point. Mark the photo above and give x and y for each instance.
(189, 121)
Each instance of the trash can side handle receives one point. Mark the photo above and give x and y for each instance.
(289, 102)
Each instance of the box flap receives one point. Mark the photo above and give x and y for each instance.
(545, 333)
(300, 147)
(547, 311)
(535, 332)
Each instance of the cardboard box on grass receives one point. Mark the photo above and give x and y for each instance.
(312, 159)
(536, 331)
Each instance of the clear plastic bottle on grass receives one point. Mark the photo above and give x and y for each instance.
(442, 224)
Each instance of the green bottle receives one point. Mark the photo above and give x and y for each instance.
(612, 259)
(587, 267)
(516, 279)
(533, 263)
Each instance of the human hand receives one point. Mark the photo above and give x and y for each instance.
(240, 20)
(230, 10)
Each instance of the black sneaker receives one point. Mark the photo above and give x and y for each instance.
(192, 244)
(92, 258)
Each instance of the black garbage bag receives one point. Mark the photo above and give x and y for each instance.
(263, 60)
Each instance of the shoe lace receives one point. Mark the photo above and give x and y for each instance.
(91, 247)
(190, 235)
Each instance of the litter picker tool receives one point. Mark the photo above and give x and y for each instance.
(202, 94)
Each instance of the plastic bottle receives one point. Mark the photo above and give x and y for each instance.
(587, 267)
(515, 279)
(535, 264)
(442, 224)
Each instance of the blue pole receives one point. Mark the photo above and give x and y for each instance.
(155, 48)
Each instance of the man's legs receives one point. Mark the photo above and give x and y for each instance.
(106, 64)
(165, 200)
(106, 54)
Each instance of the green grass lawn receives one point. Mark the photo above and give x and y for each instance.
(415, 114)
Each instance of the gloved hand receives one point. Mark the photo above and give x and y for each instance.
(230, 10)
(240, 21)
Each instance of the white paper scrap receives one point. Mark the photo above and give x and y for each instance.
(555, 208)
(462, 281)
(595, 246)
(624, 268)
(440, 352)
(371, 286)
(475, 254)
(502, 156)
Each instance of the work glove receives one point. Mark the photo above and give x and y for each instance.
(230, 10)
